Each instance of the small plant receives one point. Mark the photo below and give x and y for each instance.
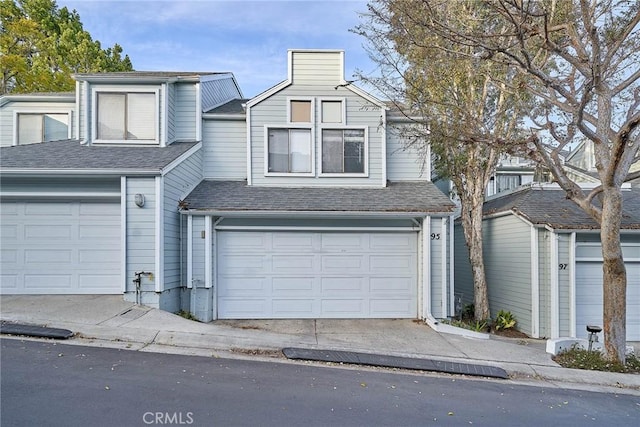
(187, 315)
(504, 320)
(479, 326)
(469, 311)
(579, 358)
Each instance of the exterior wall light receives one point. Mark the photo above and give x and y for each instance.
(139, 199)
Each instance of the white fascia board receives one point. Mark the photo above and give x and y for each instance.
(37, 98)
(572, 285)
(76, 172)
(366, 95)
(554, 288)
(535, 283)
(189, 252)
(249, 153)
(225, 117)
(267, 93)
(426, 268)
(135, 79)
(443, 266)
(306, 214)
(159, 234)
(191, 151)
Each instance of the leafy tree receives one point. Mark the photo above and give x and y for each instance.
(42, 46)
(580, 60)
(456, 104)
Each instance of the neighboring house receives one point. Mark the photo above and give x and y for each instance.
(543, 261)
(581, 165)
(39, 117)
(298, 203)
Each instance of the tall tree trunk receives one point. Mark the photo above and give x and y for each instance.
(472, 226)
(614, 286)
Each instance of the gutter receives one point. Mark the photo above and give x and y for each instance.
(76, 172)
(308, 214)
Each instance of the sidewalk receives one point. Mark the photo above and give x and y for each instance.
(111, 322)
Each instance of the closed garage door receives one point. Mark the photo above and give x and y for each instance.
(316, 275)
(68, 247)
(589, 297)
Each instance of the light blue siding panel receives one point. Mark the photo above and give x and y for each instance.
(171, 119)
(404, 162)
(359, 112)
(463, 275)
(564, 283)
(178, 183)
(544, 280)
(141, 231)
(224, 149)
(317, 68)
(507, 254)
(217, 92)
(436, 269)
(198, 253)
(185, 111)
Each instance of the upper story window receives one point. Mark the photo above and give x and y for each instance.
(332, 111)
(344, 151)
(300, 111)
(126, 116)
(289, 150)
(41, 127)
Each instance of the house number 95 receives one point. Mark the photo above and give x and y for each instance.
(435, 236)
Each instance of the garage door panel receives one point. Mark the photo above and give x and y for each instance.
(316, 275)
(589, 297)
(61, 248)
(342, 263)
(391, 284)
(343, 285)
(292, 263)
(292, 307)
(292, 285)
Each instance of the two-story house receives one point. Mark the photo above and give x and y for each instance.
(178, 193)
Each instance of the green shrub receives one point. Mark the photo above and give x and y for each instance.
(579, 358)
(504, 320)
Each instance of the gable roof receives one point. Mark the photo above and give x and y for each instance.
(72, 157)
(235, 106)
(413, 197)
(549, 206)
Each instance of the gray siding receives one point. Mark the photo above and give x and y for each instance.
(564, 282)
(185, 112)
(217, 92)
(273, 111)
(84, 111)
(8, 111)
(436, 268)
(141, 232)
(463, 275)
(224, 149)
(171, 113)
(507, 250)
(403, 162)
(316, 68)
(544, 280)
(198, 253)
(178, 183)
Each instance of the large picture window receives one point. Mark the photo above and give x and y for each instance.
(42, 127)
(126, 116)
(343, 151)
(289, 150)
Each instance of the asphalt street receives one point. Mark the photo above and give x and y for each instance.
(47, 383)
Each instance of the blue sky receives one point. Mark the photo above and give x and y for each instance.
(247, 37)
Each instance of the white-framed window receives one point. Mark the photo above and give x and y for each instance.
(333, 111)
(300, 111)
(33, 127)
(289, 150)
(126, 116)
(344, 151)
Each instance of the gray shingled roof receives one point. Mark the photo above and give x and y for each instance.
(414, 196)
(73, 156)
(550, 206)
(235, 106)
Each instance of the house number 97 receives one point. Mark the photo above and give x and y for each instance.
(563, 266)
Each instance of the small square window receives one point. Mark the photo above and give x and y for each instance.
(42, 127)
(331, 111)
(300, 112)
(126, 116)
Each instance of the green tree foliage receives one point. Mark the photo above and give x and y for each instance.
(466, 111)
(42, 45)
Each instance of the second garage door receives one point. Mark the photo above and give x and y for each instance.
(269, 275)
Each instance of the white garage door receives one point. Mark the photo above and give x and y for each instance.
(60, 248)
(589, 298)
(269, 275)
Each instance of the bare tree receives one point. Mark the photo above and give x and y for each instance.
(581, 60)
(452, 101)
